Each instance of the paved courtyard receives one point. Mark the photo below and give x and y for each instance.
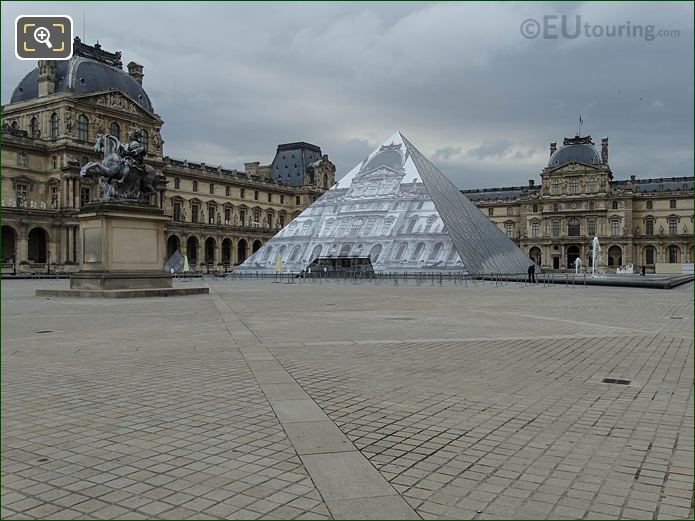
(349, 401)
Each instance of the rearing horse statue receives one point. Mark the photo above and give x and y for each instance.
(117, 179)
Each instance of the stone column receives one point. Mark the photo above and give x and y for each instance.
(218, 251)
(22, 248)
(68, 192)
(64, 251)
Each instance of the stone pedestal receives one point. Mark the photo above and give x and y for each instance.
(122, 247)
(122, 254)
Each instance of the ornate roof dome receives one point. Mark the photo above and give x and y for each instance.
(578, 150)
(90, 69)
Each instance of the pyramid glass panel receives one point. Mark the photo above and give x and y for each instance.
(393, 212)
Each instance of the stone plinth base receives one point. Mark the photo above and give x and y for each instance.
(121, 293)
(109, 280)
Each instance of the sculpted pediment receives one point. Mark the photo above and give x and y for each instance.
(573, 167)
(116, 100)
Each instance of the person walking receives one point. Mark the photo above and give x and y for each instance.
(532, 273)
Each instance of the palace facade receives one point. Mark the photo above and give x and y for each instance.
(639, 221)
(219, 216)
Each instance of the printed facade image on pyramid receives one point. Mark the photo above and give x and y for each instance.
(399, 212)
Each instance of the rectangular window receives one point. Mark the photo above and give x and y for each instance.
(491, 211)
(615, 227)
(177, 211)
(227, 191)
(298, 200)
(227, 215)
(672, 226)
(21, 192)
(21, 158)
(85, 195)
(650, 205)
(342, 227)
(510, 230)
(255, 195)
(672, 204)
(269, 218)
(282, 199)
(177, 183)
(282, 221)
(650, 227)
(211, 215)
(270, 197)
(535, 227)
(195, 186)
(242, 217)
(195, 209)
(256, 218)
(212, 188)
(556, 228)
(54, 197)
(510, 211)
(242, 193)
(591, 227)
(370, 226)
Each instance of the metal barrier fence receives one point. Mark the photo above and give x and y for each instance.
(337, 277)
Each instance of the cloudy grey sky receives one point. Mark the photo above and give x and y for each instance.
(232, 80)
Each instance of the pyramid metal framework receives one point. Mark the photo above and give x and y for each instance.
(400, 210)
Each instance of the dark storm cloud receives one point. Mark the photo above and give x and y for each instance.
(459, 80)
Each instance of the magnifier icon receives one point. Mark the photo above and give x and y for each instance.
(42, 35)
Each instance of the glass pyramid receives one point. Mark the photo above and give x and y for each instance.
(402, 213)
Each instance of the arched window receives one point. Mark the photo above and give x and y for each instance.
(591, 185)
(34, 127)
(535, 255)
(649, 254)
(14, 125)
(535, 208)
(355, 227)
(82, 128)
(574, 185)
(674, 254)
(573, 227)
(555, 187)
(615, 256)
(115, 130)
(55, 128)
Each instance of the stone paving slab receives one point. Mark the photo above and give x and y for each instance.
(435, 402)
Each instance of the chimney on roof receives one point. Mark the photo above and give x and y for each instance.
(633, 177)
(531, 182)
(553, 147)
(135, 70)
(604, 150)
(47, 78)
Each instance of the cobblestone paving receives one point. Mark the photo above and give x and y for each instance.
(101, 423)
(471, 402)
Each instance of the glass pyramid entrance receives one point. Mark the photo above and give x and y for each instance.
(400, 212)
